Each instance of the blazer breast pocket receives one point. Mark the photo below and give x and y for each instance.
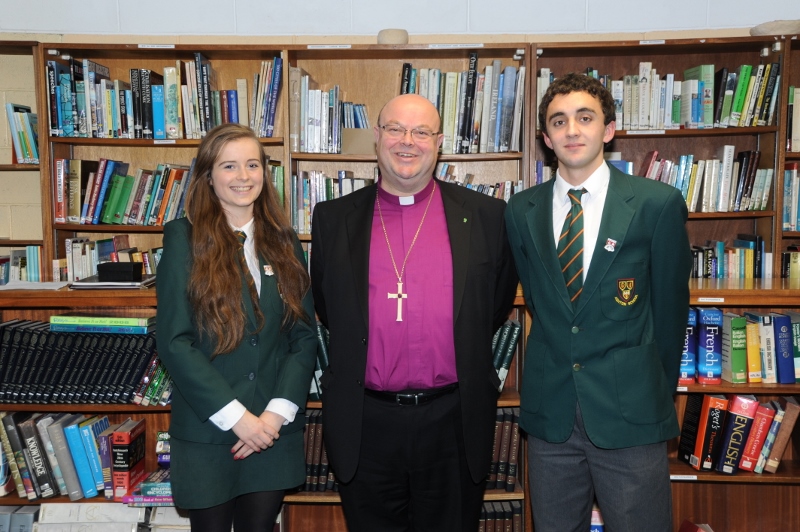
(625, 290)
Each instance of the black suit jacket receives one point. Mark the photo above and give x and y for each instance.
(484, 284)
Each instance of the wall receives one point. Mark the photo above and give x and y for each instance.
(339, 18)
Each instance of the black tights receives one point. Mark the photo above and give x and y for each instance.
(252, 512)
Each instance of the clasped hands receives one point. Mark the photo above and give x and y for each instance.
(256, 433)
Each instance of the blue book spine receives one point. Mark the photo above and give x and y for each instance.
(784, 350)
(499, 107)
(110, 329)
(689, 354)
(274, 90)
(159, 124)
(709, 346)
(110, 165)
(81, 460)
(233, 105)
(90, 445)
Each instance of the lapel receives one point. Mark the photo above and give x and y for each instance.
(539, 218)
(358, 225)
(459, 228)
(617, 216)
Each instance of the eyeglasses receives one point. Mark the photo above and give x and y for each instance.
(397, 132)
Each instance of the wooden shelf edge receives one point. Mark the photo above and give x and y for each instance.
(19, 167)
(788, 473)
(104, 408)
(756, 388)
(147, 143)
(332, 497)
(65, 298)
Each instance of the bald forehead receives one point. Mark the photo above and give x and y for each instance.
(410, 110)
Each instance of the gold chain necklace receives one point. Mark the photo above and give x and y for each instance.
(400, 296)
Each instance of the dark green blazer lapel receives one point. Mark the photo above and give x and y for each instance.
(459, 227)
(539, 218)
(358, 224)
(616, 221)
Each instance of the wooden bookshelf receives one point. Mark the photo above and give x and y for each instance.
(371, 75)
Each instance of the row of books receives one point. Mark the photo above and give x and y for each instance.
(18, 518)
(155, 490)
(745, 257)
(77, 517)
(793, 120)
(90, 517)
(791, 197)
(94, 192)
(180, 101)
(480, 112)
(706, 98)
(24, 127)
(310, 187)
(41, 365)
(22, 264)
(318, 116)
(503, 190)
(739, 348)
(319, 475)
(62, 454)
(722, 184)
(735, 433)
(503, 473)
(502, 516)
(82, 256)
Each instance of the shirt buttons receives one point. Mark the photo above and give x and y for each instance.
(576, 367)
(575, 330)
(364, 341)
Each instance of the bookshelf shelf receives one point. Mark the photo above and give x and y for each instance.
(730, 215)
(19, 167)
(787, 474)
(330, 497)
(146, 143)
(89, 408)
(7, 242)
(105, 228)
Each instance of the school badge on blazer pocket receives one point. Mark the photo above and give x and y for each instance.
(626, 292)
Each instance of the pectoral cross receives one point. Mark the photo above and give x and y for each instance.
(399, 296)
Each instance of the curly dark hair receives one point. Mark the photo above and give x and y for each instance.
(576, 82)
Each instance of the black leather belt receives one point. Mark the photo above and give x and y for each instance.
(412, 398)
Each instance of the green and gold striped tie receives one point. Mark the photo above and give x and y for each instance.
(570, 246)
(241, 236)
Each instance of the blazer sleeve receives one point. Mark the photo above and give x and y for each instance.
(200, 383)
(507, 280)
(298, 363)
(671, 266)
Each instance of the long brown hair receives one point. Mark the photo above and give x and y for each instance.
(215, 282)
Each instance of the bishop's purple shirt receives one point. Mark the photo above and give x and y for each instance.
(419, 352)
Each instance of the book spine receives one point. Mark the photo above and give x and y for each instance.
(16, 446)
(81, 460)
(37, 459)
(11, 459)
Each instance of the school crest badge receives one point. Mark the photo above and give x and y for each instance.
(626, 292)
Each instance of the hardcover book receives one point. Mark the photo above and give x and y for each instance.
(709, 342)
(762, 422)
(688, 368)
(741, 412)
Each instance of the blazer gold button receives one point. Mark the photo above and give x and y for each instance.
(251, 376)
(254, 341)
(575, 330)
(576, 367)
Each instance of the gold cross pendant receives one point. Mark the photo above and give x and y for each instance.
(399, 296)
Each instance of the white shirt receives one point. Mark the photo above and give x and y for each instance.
(231, 413)
(592, 201)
